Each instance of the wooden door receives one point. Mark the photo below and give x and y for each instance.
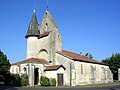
(60, 79)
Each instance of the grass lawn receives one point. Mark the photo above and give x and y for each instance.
(98, 85)
(82, 86)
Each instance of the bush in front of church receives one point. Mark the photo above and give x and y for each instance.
(52, 82)
(44, 81)
(15, 80)
(24, 80)
(1, 78)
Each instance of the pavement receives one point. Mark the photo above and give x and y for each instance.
(115, 87)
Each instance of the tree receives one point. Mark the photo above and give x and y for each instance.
(15, 80)
(114, 64)
(44, 81)
(89, 55)
(4, 64)
(24, 80)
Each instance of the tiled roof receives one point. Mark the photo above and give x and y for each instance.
(17, 63)
(77, 57)
(54, 67)
(35, 60)
(32, 60)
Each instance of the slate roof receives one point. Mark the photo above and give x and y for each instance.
(33, 27)
(32, 60)
(77, 57)
(54, 67)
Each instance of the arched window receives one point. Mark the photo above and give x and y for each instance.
(81, 68)
(24, 70)
(43, 54)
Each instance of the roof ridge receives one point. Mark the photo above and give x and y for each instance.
(31, 59)
(77, 57)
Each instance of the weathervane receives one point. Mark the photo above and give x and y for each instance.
(34, 5)
(47, 5)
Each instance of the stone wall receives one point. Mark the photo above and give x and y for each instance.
(14, 69)
(31, 47)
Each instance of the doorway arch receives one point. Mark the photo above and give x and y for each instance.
(36, 76)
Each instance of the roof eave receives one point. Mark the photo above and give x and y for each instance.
(90, 62)
(31, 35)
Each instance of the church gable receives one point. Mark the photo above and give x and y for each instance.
(47, 24)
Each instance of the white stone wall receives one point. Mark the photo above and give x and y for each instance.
(58, 40)
(14, 69)
(92, 73)
(31, 47)
(82, 77)
(43, 50)
(69, 72)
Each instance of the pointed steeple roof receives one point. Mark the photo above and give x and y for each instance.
(33, 27)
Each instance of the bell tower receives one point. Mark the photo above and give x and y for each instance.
(31, 36)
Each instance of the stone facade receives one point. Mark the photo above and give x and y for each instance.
(44, 56)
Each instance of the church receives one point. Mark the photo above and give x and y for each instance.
(45, 57)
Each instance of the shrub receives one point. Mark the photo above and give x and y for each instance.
(24, 80)
(52, 82)
(1, 78)
(7, 79)
(44, 81)
(15, 79)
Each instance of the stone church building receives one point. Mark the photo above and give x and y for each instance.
(44, 56)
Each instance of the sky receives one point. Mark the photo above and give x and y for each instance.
(87, 26)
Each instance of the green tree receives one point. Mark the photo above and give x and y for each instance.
(15, 80)
(114, 64)
(52, 82)
(4, 67)
(4, 64)
(24, 80)
(44, 81)
(89, 55)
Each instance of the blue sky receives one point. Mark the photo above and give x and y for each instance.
(88, 26)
